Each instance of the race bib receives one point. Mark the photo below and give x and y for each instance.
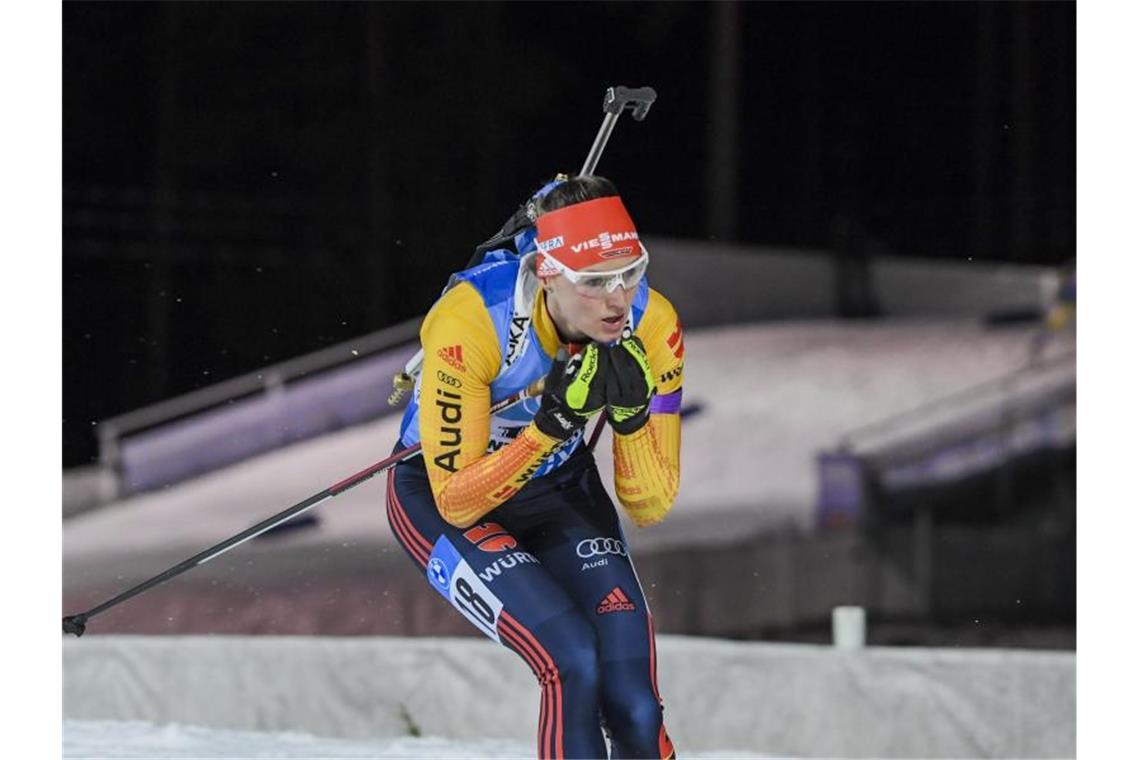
(451, 576)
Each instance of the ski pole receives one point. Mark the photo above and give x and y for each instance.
(77, 624)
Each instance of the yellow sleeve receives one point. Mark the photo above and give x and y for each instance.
(647, 463)
(461, 359)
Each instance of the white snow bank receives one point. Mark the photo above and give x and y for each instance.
(783, 699)
(135, 739)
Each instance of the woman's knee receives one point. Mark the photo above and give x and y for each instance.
(634, 717)
(573, 645)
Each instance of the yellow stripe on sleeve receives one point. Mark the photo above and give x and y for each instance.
(647, 469)
(488, 482)
(647, 463)
(660, 331)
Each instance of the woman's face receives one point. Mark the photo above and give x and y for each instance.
(579, 316)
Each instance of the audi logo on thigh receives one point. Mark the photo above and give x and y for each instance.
(593, 547)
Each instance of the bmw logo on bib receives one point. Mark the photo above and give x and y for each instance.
(437, 574)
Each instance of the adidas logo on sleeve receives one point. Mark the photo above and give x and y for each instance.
(453, 355)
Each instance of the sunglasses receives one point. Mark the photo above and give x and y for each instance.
(598, 284)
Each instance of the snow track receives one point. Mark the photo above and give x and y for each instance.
(135, 739)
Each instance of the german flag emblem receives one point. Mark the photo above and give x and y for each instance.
(676, 341)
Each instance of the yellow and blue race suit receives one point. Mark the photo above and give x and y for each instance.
(514, 527)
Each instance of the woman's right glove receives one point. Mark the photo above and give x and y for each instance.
(629, 386)
(574, 391)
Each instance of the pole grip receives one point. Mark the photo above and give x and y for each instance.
(75, 624)
(616, 100)
(638, 98)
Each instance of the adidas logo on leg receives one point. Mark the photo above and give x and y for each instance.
(615, 601)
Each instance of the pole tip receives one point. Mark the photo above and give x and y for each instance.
(76, 624)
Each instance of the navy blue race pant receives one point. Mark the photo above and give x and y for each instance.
(548, 575)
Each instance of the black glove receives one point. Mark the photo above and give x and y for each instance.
(574, 392)
(629, 386)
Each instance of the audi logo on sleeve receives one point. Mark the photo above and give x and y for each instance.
(596, 547)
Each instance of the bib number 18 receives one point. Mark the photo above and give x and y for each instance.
(474, 602)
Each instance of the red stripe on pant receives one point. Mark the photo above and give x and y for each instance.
(664, 743)
(404, 540)
(513, 641)
(416, 545)
(548, 674)
(424, 543)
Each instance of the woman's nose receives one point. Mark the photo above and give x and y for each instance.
(619, 297)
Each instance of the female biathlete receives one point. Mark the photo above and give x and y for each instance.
(506, 513)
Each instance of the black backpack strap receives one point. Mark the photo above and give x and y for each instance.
(521, 219)
(504, 238)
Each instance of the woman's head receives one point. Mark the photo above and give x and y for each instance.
(575, 190)
(590, 258)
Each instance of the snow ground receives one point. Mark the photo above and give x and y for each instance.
(135, 739)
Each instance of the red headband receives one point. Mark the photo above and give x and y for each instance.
(586, 233)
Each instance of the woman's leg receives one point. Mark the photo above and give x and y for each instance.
(582, 546)
(495, 581)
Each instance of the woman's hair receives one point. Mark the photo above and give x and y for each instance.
(575, 190)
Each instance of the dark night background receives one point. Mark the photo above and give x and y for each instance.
(243, 183)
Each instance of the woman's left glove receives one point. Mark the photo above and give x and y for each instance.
(574, 391)
(629, 386)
